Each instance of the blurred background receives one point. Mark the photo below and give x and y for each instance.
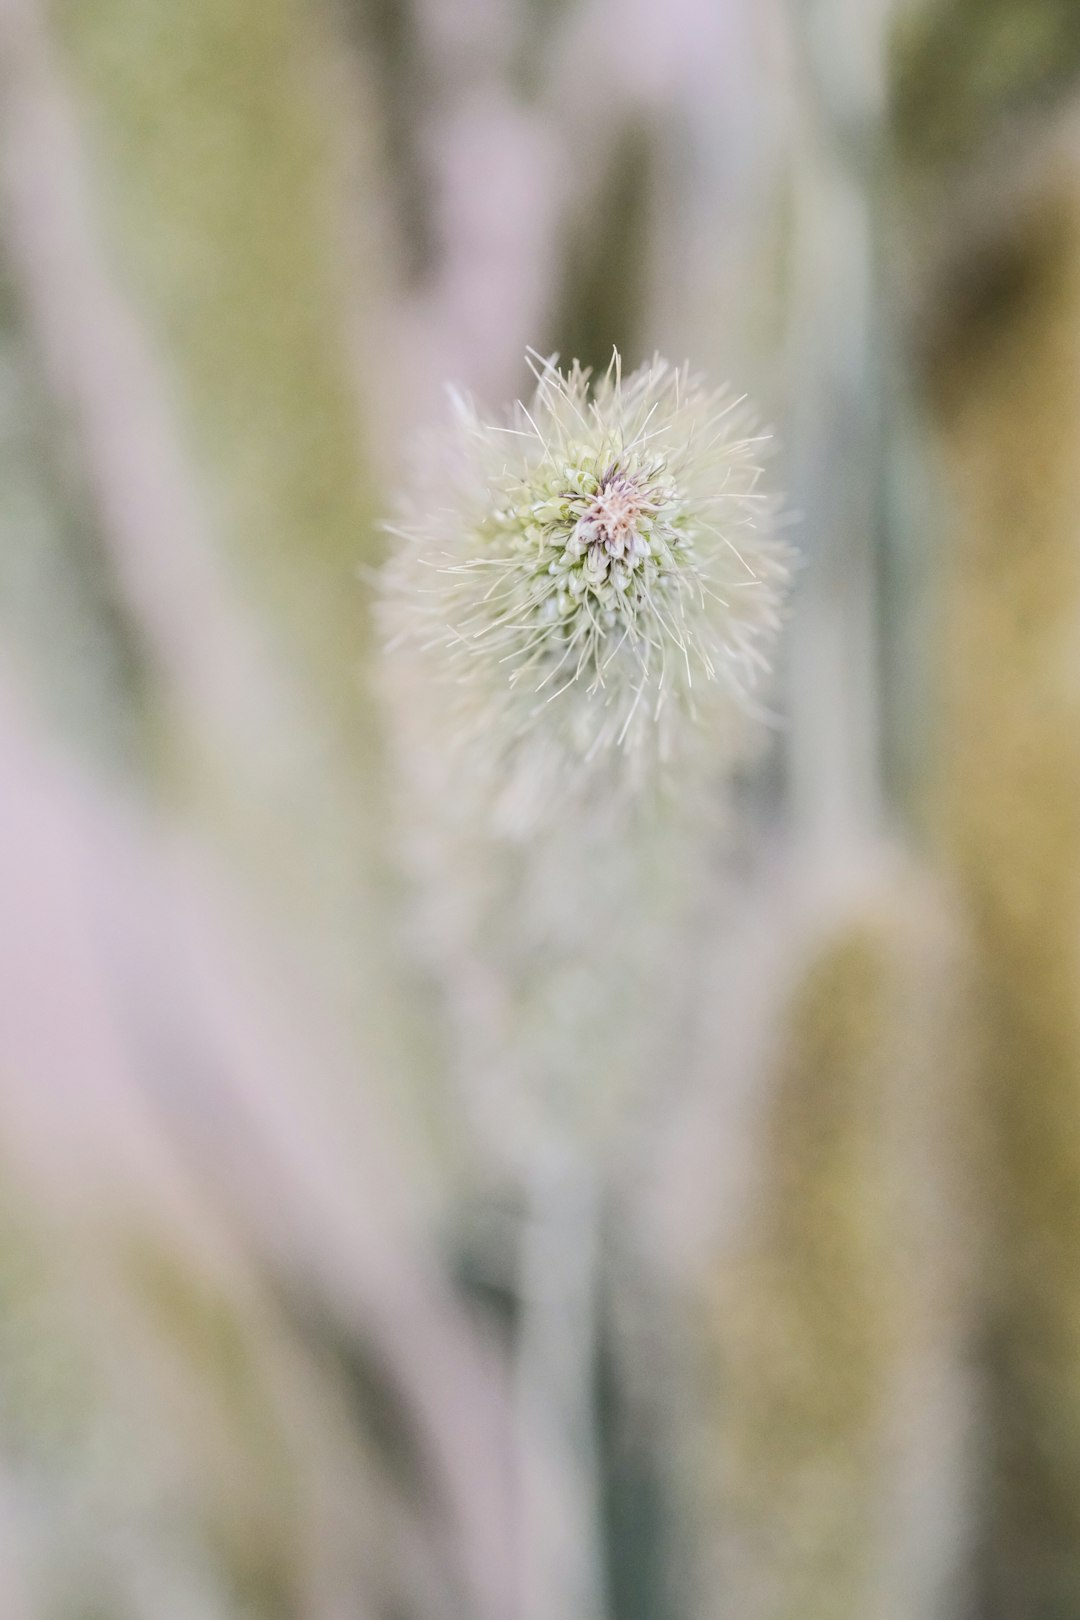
(311, 1307)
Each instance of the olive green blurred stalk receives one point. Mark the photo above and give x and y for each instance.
(974, 221)
(180, 235)
(833, 1329)
(985, 112)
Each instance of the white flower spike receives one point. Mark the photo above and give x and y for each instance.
(592, 583)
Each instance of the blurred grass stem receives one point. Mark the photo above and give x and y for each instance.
(561, 1568)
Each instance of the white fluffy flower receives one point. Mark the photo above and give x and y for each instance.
(588, 585)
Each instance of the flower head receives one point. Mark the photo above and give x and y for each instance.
(591, 581)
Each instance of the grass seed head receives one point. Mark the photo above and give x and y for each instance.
(589, 588)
